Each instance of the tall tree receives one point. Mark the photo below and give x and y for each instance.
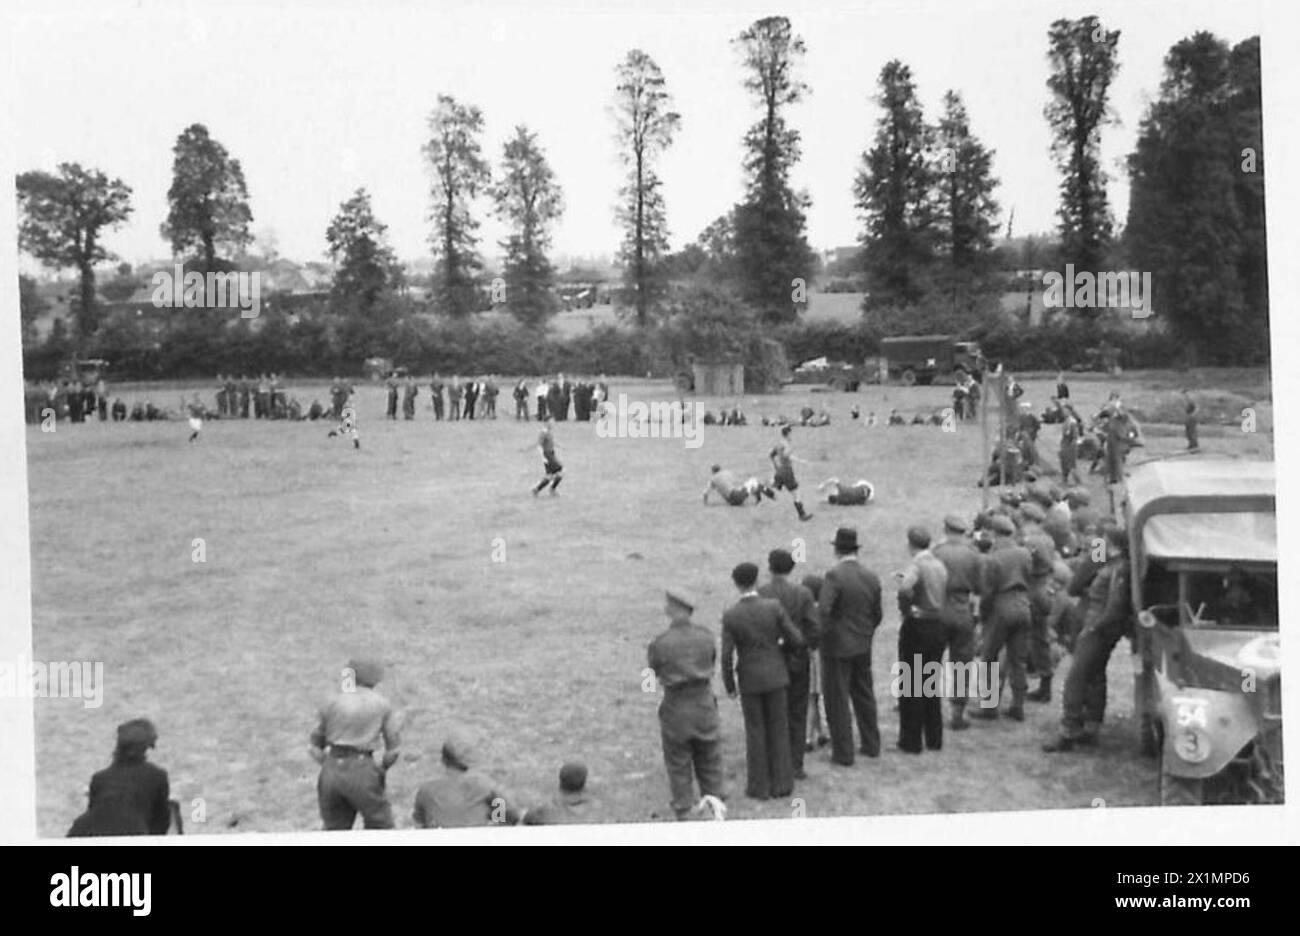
(646, 124)
(460, 173)
(1082, 56)
(895, 191)
(771, 249)
(965, 211)
(1246, 106)
(1187, 224)
(61, 219)
(208, 200)
(366, 266)
(529, 199)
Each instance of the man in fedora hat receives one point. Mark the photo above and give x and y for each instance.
(352, 725)
(1004, 608)
(753, 631)
(130, 796)
(965, 570)
(800, 605)
(849, 608)
(683, 659)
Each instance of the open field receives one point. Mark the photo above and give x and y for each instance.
(315, 551)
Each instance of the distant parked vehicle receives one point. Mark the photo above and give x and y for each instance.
(919, 359)
(837, 375)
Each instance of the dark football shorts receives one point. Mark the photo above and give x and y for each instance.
(738, 497)
(848, 497)
(784, 480)
(553, 467)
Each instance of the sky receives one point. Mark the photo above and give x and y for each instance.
(319, 100)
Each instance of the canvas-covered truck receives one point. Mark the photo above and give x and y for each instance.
(920, 359)
(1203, 554)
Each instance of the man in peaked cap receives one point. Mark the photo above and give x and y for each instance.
(130, 796)
(352, 725)
(683, 659)
(850, 612)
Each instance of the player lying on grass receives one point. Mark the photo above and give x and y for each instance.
(848, 495)
(736, 492)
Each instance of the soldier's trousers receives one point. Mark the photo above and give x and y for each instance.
(1040, 639)
(1084, 704)
(688, 724)
(768, 768)
(1008, 626)
(351, 785)
(800, 668)
(959, 638)
(847, 681)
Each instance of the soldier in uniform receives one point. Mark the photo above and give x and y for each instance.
(1106, 620)
(410, 390)
(130, 796)
(1004, 608)
(683, 659)
(435, 394)
(348, 734)
(462, 797)
(571, 806)
(801, 608)
(964, 567)
(390, 388)
(1042, 551)
(454, 391)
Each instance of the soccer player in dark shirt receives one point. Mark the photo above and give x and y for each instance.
(554, 470)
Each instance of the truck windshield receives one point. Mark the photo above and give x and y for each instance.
(1234, 597)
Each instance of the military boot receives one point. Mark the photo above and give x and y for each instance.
(1044, 691)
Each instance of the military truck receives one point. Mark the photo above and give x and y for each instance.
(919, 359)
(1203, 554)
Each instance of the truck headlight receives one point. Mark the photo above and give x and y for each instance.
(1191, 745)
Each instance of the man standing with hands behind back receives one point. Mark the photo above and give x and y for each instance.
(799, 603)
(752, 632)
(849, 608)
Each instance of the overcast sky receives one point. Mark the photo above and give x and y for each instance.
(318, 100)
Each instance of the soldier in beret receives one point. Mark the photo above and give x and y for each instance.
(965, 579)
(462, 797)
(1004, 607)
(571, 806)
(683, 659)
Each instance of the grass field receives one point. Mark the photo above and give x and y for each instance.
(315, 551)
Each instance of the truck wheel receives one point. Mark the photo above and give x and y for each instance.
(909, 377)
(1179, 791)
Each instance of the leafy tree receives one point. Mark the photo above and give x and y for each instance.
(771, 249)
(1082, 55)
(61, 220)
(30, 308)
(895, 191)
(646, 124)
(1189, 224)
(208, 200)
(366, 265)
(529, 199)
(460, 173)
